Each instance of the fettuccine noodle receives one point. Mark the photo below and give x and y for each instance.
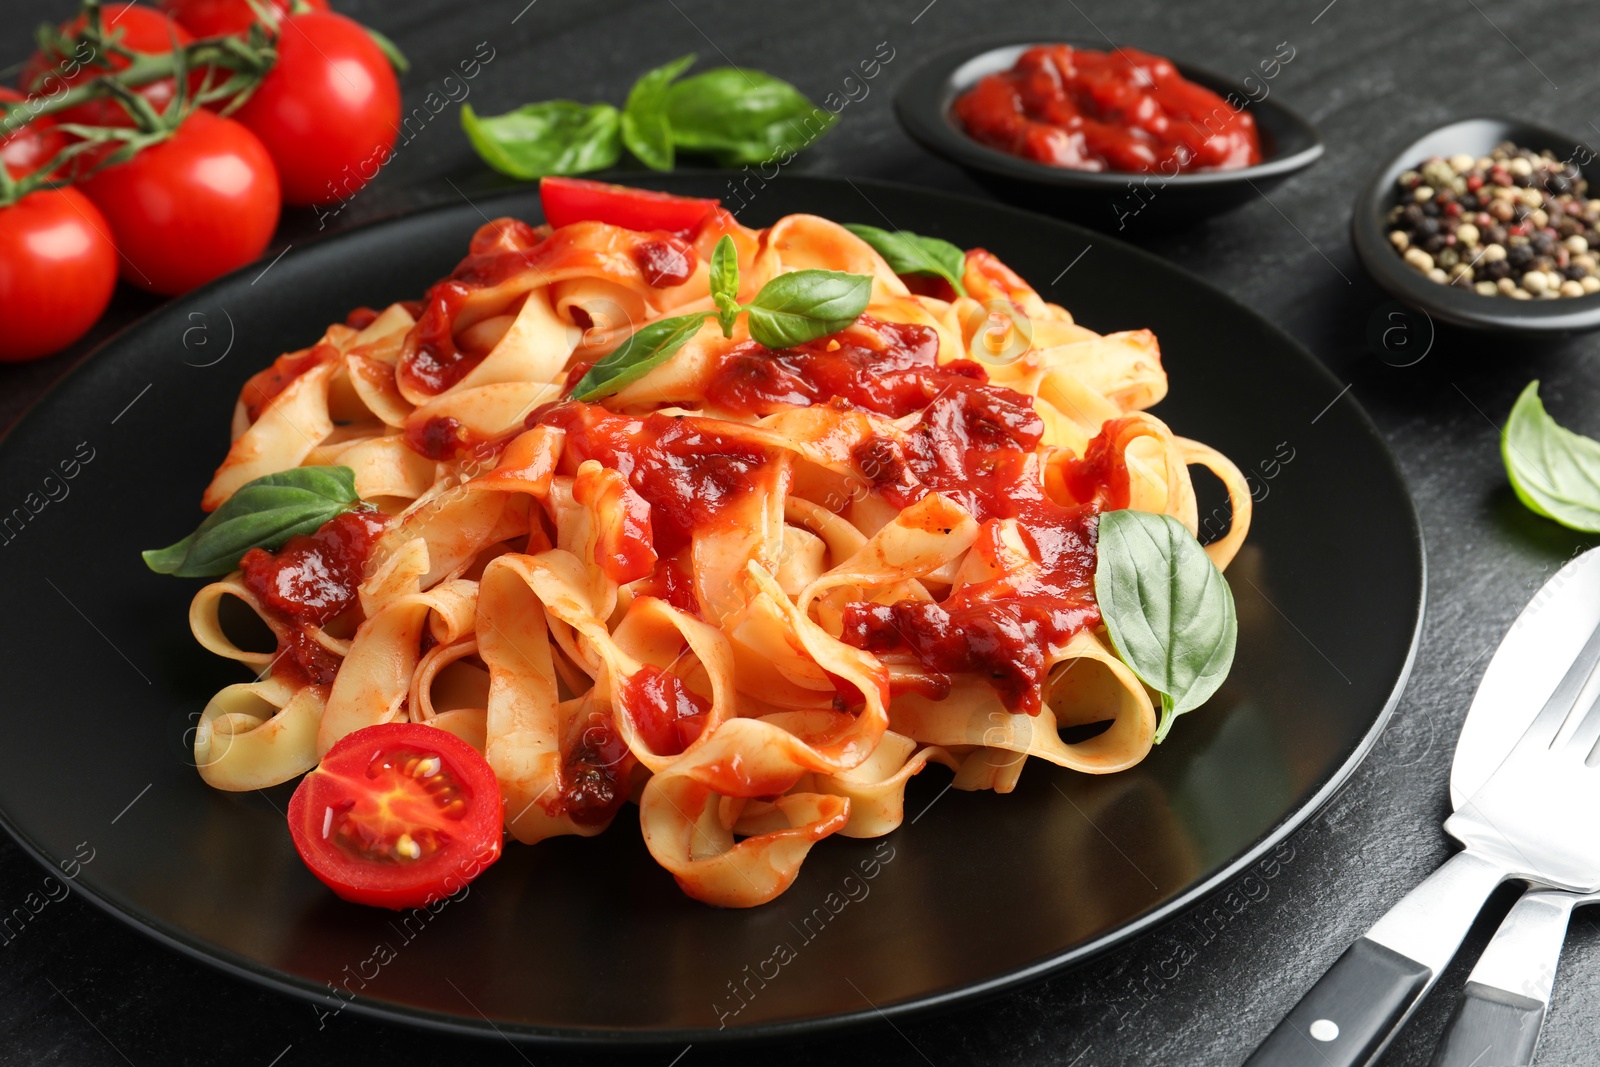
(753, 592)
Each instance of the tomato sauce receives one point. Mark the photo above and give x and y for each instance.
(308, 583)
(1120, 111)
(890, 368)
(665, 261)
(668, 716)
(500, 251)
(687, 470)
(975, 444)
(431, 361)
(670, 582)
(264, 385)
(594, 774)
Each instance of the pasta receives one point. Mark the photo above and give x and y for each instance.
(752, 591)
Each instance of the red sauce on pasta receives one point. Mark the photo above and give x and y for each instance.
(594, 775)
(686, 469)
(506, 248)
(975, 444)
(668, 715)
(1124, 111)
(672, 583)
(308, 583)
(264, 385)
(440, 438)
(887, 367)
(431, 360)
(361, 318)
(665, 261)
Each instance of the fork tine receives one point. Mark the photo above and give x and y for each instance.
(1547, 724)
(1587, 732)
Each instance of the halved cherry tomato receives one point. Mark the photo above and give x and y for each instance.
(568, 200)
(398, 816)
(328, 111)
(28, 147)
(215, 18)
(138, 29)
(190, 208)
(57, 270)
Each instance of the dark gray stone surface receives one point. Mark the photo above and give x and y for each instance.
(77, 987)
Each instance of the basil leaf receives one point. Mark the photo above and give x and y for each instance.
(912, 253)
(742, 116)
(645, 128)
(1167, 608)
(555, 137)
(1554, 471)
(645, 350)
(724, 278)
(261, 514)
(804, 305)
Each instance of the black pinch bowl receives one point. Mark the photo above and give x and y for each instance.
(589, 941)
(1447, 303)
(1117, 201)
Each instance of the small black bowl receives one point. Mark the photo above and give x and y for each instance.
(1107, 200)
(1447, 303)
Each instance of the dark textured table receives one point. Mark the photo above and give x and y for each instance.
(77, 987)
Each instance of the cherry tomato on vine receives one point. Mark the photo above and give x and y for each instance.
(138, 29)
(398, 815)
(328, 111)
(27, 147)
(190, 208)
(214, 18)
(57, 270)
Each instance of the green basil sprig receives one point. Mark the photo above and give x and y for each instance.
(912, 253)
(735, 115)
(555, 137)
(1167, 608)
(645, 128)
(261, 514)
(1554, 471)
(792, 308)
(724, 280)
(643, 351)
(804, 305)
(789, 310)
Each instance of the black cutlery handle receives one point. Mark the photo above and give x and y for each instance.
(1349, 1014)
(1490, 1026)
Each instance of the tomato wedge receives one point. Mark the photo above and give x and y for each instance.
(568, 200)
(398, 816)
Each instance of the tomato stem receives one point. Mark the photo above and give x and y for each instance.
(248, 60)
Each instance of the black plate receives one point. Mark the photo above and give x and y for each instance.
(1446, 303)
(589, 940)
(1108, 200)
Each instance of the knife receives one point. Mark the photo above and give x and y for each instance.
(1501, 1011)
(1379, 981)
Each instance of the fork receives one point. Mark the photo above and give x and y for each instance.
(1531, 821)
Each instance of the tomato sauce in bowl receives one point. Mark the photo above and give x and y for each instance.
(1125, 110)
